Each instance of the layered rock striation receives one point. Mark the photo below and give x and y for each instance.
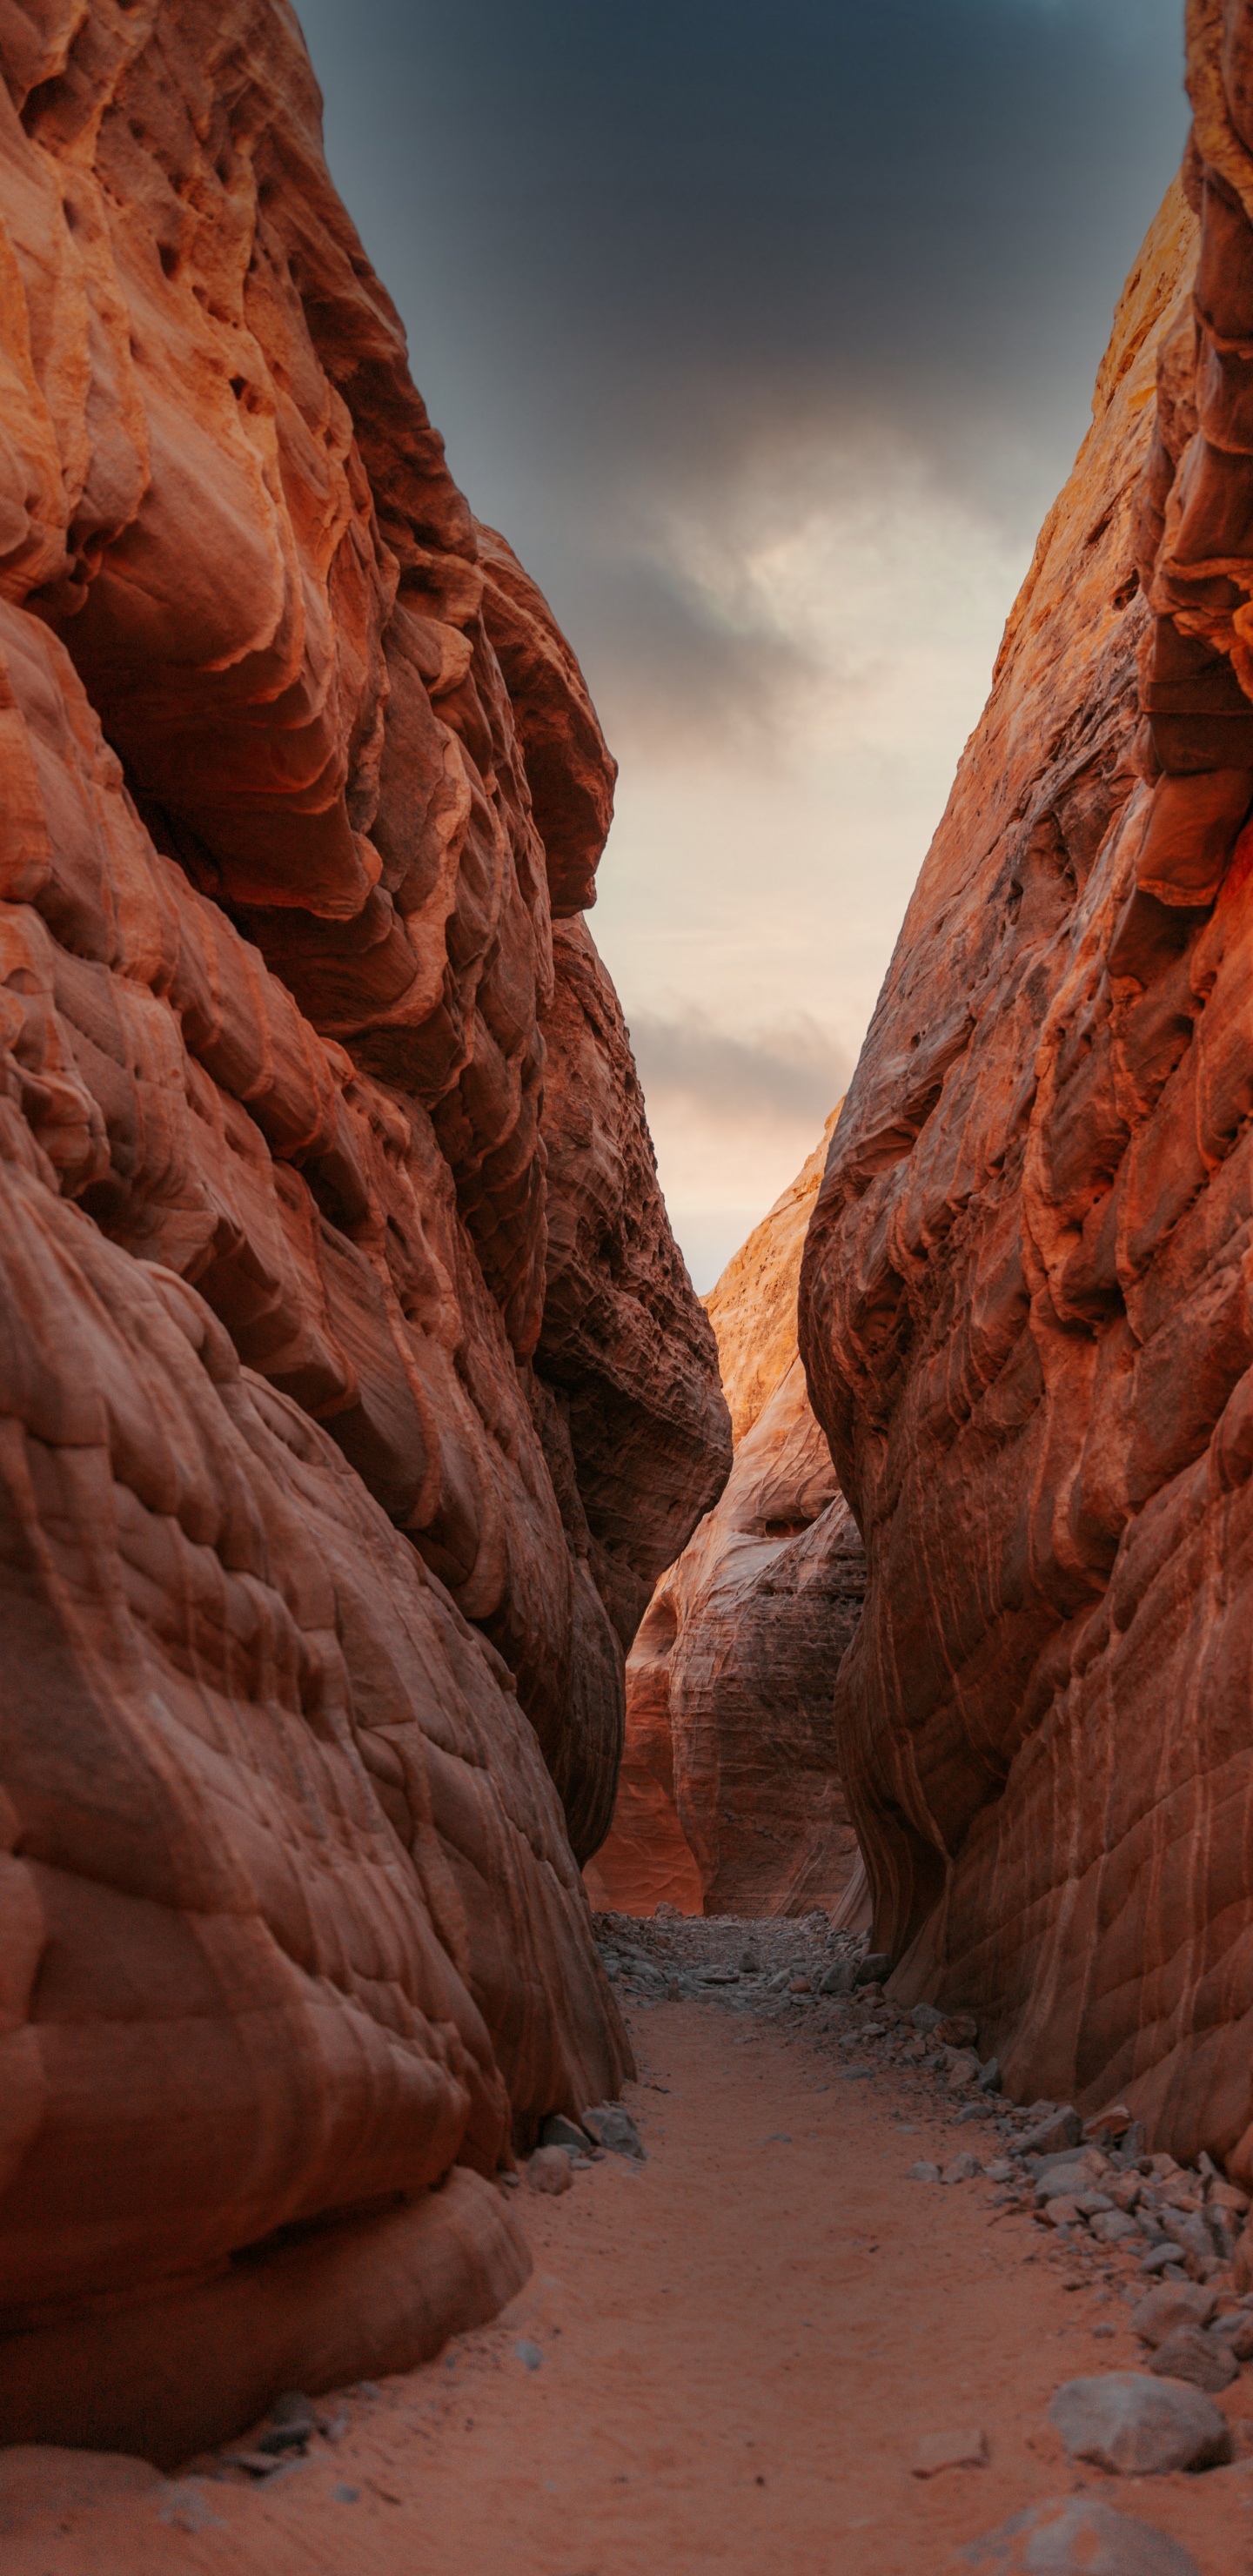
(1024, 1308)
(730, 1799)
(352, 1394)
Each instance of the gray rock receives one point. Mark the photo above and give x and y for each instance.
(873, 1968)
(613, 2128)
(1166, 2309)
(750, 1964)
(926, 2017)
(1002, 2169)
(1058, 2129)
(1140, 2426)
(1161, 2257)
(988, 2078)
(1077, 2536)
(719, 1976)
(557, 2131)
(528, 2353)
(923, 2172)
(838, 1980)
(1115, 2227)
(1201, 2359)
(962, 2169)
(1236, 2331)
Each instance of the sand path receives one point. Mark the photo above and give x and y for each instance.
(740, 2343)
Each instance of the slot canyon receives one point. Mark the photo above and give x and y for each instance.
(626, 1919)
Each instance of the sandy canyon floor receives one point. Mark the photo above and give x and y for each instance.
(726, 2359)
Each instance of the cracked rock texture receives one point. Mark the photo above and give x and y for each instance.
(730, 1799)
(1025, 1304)
(352, 1393)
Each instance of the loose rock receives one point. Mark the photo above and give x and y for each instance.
(923, 2171)
(1140, 2426)
(1077, 2536)
(1168, 2308)
(1202, 2359)
(615, 2130)
(550, 2170)
(966, 2449)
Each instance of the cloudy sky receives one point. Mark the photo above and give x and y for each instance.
(766, 331)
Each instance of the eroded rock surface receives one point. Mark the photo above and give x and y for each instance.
(1024, 1307)
(323, 1542)
(730, 1797)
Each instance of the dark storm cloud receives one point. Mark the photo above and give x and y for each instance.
(640, 245)
(790, 1076)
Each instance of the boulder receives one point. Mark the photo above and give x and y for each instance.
(1140, 2426)
(1078, 2536)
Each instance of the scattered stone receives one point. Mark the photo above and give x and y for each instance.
(874, 1967)
(557, 2131)
(1002, 2169)
(528, 2353)
(614, 2129)
(957, 2030)
(799, 1986)
(1236, 2331)
(962, 2169)
(1201, 2359)
(1058, 2129)
(839, 1980)
(1114, 2227)
(750, 1966)
(345, 2495)
(1242, 2260)
(963, 2067)
(926, 2017)
(186, 2507)
(1162, 2257)
(1077, 2536)
(1140, 2426)
(509, 2181)
(550, 2169)
(1166, 2309)
(923, 2172)
(967, 2449)
(989, 2076)
(720, 1976)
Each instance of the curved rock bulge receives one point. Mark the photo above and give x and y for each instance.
(1023, 1304)
(312, 1555)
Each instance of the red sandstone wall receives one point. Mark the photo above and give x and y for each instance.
(324, 1533)
(730, 1799)
(1024, 1307)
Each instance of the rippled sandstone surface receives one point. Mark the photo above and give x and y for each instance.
(730, 1798)
(352, 1393)
(1024, 1306)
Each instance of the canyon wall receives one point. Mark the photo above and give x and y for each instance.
(730, 1799)
(1025, 1306)
(352, 1393)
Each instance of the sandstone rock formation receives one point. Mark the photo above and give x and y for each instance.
(1025, 1308)
(320, 1528)
(730, 1798)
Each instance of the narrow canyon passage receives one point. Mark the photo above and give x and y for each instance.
(726, 2358)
